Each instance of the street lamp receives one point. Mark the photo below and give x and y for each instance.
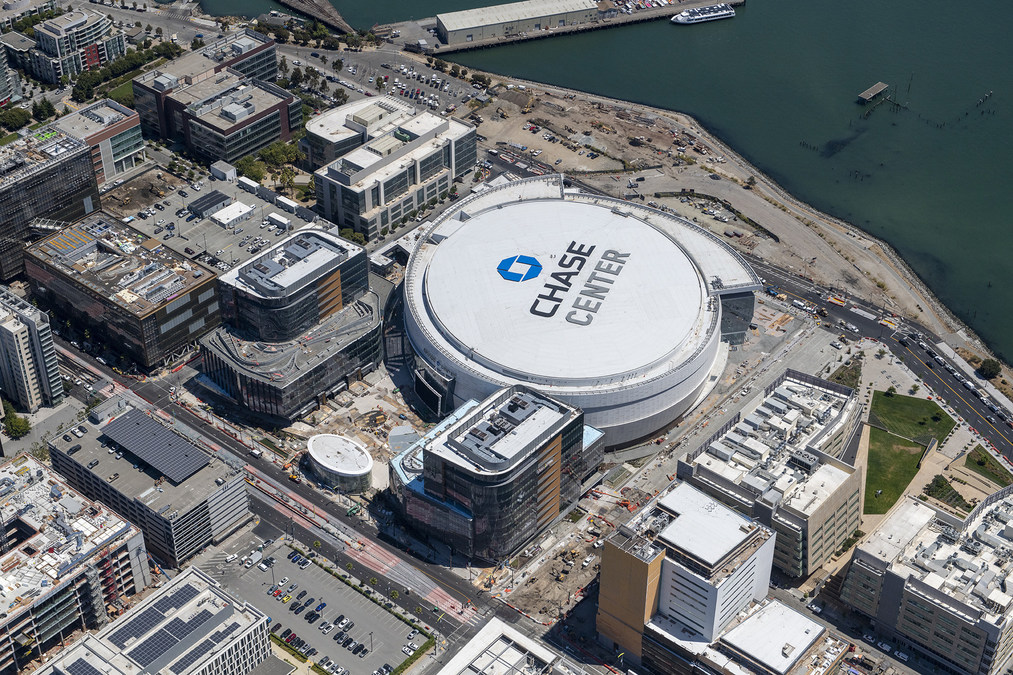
(370, 640)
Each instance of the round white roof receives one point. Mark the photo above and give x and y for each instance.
(339, 455)
(562, 292)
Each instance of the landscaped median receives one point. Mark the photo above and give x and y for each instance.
(288, 648)
(982, 463)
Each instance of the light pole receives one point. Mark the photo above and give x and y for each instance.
(370, 640)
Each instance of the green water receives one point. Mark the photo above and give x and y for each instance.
(931, 180)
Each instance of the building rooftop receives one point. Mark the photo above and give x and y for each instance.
(776, 636)
(340, 454)
(512, 12)
(774, 453)
(499, 649)
(35, 151)
(17, 41)
(372, 115)
(175, 630)
(117, 262)
(290, 265)
(702, 527)
(58, 531)
(94, 118)
(228, 99)
(69, 21)
(12, 9)
(501, 431)
(189, 67)
(142, 476)
(282, 363)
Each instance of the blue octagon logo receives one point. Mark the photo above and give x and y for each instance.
(519, 268)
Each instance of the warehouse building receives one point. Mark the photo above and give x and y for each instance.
(303, 323)
(68, 563)
(189, 626)
(496, 473)
(498, 21)
(378, 185)
(144, 299)
(29, 371)
(112, 131)
(181, 497)
(937, 584)
(46, 174)
(776, 461)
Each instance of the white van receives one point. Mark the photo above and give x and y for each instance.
(231, 558)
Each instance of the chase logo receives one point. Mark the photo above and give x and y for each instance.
(519, 268)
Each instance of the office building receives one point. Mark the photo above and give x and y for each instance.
(143, 299)
(302, 323)
(496, 473)
(687, 566)
(112, 131)
(189, 626)
(248, 52)
(379, 184)
(499, 21)
(181, 497)
(76, 41)
(777, 461)
(29, 372)
(12, 11)
(46, 174)
(336, 132)
(67, 563)
(937, 584)
(501, 649)
(615, 308)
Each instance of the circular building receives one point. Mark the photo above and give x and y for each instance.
(606, 305)
(340, 463)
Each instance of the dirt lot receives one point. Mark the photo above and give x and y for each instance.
(140, 192)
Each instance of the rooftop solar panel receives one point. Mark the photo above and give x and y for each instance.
(81, 667)
(195, 654)
(183, 595)
(171, 455)
(136, 627)
(153, 647)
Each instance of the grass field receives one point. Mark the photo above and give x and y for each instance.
(849, 375)
(985, 465)
(893, 462)
(911, 417)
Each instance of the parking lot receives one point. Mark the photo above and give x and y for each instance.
(158, 206)
(381, 633)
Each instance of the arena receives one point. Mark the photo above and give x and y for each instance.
(607, 305)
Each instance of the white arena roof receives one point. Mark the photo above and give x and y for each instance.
(609, 306)
(340, 455)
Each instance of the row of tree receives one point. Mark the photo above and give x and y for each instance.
(87, 81)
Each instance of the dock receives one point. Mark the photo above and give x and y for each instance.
(872, 92)
(322, 11)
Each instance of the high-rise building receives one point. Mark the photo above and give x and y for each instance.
(76, 41)
(112, 131)
(302, 323)
(251, 54)
(688, 566)
(182, 498)
(68, 562)
(145, 300)
(29, 372)
(496, 473)
(46, 174)
(10, 82)
(778, 461)
(937, 585)
(379, 184)
(189, 626)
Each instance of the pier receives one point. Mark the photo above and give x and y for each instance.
(872, 92)
(410, 31)
(322, 11)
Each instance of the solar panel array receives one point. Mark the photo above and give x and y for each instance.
(195, 654)
(177, 599)
(142, 624)
(171, 455)
(81, 667)
(164, 639)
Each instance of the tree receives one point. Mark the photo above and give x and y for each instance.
(158, 31)
(349, 567)
(15, 425)
(148, 28)
(989, 368)
(281, 35)
(15, 118)
(296, 77)
(891, 391)
(287, 178)
(283, 65)
(915, 388)
(394, 595)
(372, 581)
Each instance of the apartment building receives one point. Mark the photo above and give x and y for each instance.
(68, 563)
(76, 41)
(29, 372)
(112, 132)
(181, 497)
(937, 584)
(777, 461)
(379, 184)
(189, 626)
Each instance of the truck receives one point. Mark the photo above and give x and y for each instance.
(256, 453)
(772, 290)
(253, 559)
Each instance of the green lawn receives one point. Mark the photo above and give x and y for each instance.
(893, 462)
(915, 418)
(985, 465)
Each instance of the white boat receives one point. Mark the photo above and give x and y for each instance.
(708, 13)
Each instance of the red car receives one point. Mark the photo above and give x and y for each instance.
(290, 637)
